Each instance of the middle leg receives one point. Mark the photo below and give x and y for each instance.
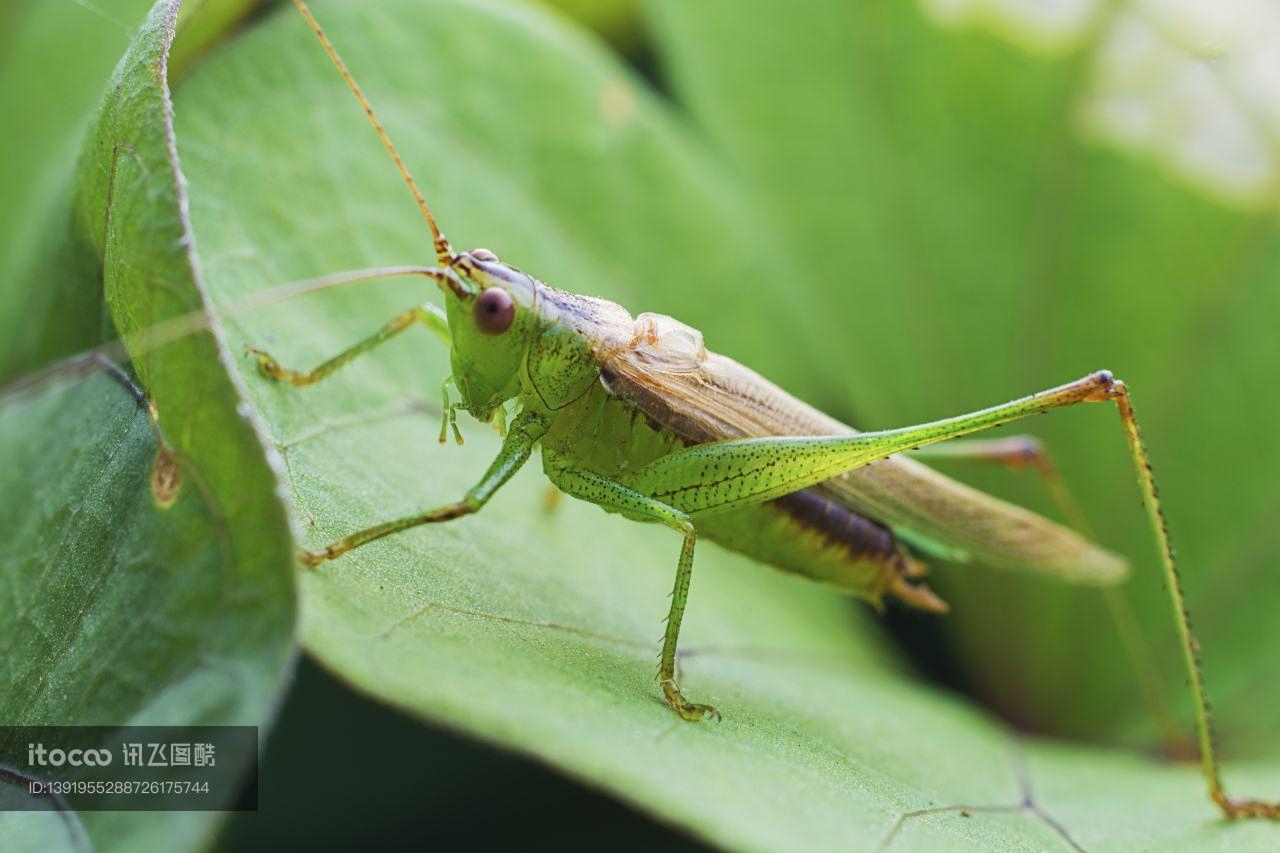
(612, 495)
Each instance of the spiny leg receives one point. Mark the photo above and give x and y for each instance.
(728, 474)
(617, 497)
(428, 315)
(724, 475)
(1025, 452)
(1232, 808)
(521, 437)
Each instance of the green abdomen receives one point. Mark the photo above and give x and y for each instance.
(807, 532)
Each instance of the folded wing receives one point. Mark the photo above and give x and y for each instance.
(669, 376)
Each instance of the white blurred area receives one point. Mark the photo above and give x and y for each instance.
(1193, 83)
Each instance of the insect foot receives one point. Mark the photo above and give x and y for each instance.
(315, 558)
(691, 711)
(1235, 809)
(267, 365)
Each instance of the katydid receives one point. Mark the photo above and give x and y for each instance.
(634, 415)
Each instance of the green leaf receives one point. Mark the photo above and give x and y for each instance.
(535, 629)
(148, 571)
(115, 609)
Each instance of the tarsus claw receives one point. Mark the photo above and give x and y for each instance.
(267, 365)
(691, 711)
(1236, 809)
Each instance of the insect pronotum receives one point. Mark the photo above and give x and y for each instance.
(714, 450)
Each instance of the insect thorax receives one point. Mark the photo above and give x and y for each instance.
(575, 335)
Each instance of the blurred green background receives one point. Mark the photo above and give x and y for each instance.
(948, 204)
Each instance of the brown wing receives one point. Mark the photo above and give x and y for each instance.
(669, 376)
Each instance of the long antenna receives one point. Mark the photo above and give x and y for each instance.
(167, 331)
(444, 252)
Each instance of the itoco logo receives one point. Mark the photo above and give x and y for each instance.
(38, 756)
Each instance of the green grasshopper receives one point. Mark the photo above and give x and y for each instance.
(634, 415)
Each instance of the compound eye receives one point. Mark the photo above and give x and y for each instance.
(494, 311)
(483, 255)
